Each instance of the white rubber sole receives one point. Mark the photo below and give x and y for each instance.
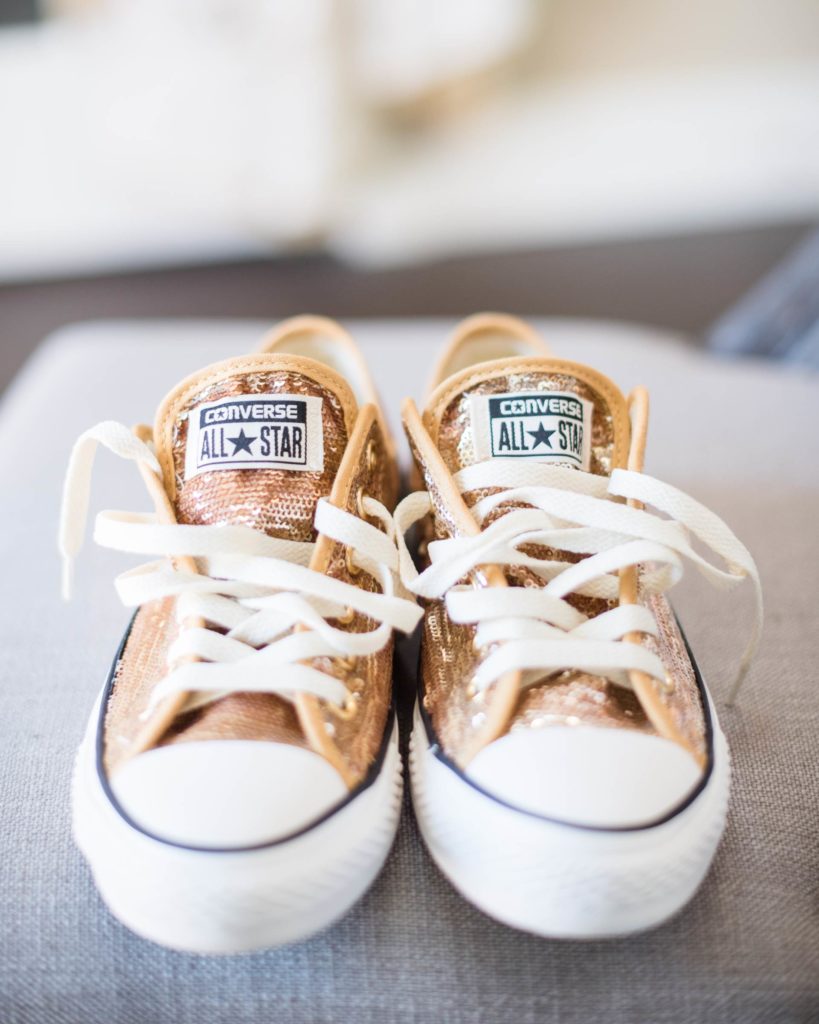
(558, 880)
(232, 902)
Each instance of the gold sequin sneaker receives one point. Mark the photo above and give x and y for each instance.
(568, 771)
(239, 783)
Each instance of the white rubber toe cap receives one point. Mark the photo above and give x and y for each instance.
(607, 778)
(226, 793)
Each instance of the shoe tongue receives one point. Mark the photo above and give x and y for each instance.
(254, 441)
(536, 410)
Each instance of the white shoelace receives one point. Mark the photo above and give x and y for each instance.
(254, 587)
(536, 630)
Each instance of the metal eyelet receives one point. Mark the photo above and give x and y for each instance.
(668, 686)
(346, 710)
(360, 495)
(352, 568)
(346, 664)
(347, 617)
(370, 457)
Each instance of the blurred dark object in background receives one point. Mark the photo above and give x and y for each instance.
(779, 317)
(18, 12)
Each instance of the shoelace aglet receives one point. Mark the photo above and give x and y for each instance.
(733, 693)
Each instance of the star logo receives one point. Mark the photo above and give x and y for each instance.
(242, 443)
(541, 436)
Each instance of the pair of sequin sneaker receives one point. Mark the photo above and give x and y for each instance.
(239, 784)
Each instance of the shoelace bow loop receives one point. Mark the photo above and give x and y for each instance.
(568, 510)
(255, 589)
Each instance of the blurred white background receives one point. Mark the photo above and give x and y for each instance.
(139, 133)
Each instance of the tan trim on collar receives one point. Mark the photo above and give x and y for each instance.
(447, 392)
(176, 400)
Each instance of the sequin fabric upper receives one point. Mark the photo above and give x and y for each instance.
(282, 503)
(448, 656)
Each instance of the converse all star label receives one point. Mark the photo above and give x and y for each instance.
(255, 432)
(549, 426)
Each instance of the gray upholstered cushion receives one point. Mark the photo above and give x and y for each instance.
(741, 436)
